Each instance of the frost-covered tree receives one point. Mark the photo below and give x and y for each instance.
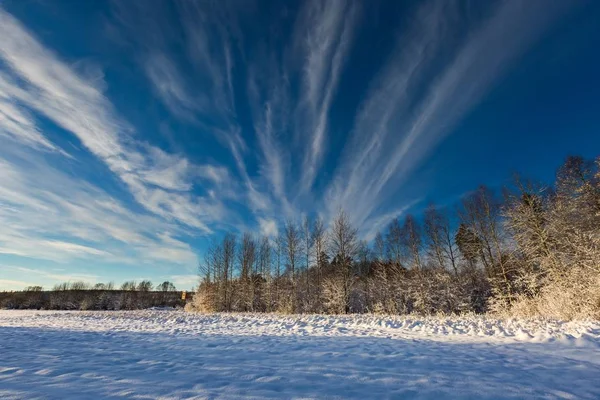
(343, 250)
(293, 243)
(534, 251)
(441, 247)
(246, 259)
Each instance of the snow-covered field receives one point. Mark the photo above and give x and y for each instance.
(172, 355)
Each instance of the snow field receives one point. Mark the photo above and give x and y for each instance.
(160, 354)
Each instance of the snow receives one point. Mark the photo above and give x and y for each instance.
(161, 354)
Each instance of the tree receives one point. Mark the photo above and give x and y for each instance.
(211, 293)
(79, 285)
(533, 252)
(247, 260)
(412, 241)
(394, 243)
(364, 262)
(379, 247)
(308, 243)
(129, 285)
(166, 286)
(440, 244)
(292, 248)
(319, 240)
(343, 248)
(468, 244)
(481, 213)
(145, 286)
(264, 261)
(279, 249)
(228, 259)
(383, 275)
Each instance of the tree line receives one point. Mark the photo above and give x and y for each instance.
(530, 250)
(81, 295)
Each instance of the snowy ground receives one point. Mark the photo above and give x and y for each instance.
(172, 355)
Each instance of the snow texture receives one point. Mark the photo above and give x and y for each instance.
(160, 354)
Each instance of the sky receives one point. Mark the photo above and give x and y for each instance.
(133, 132)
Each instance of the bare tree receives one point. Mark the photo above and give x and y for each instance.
(279, 249)
(343, 248)
(145, 286)
(440, 243)
(319, 240)
(481, 214)
(228, 261)
(412, 241)
(247, 260)
(394, 243)
(293, 242)
(166, 286)
(379, 247)
(129, 285)
(307, 246)
(265, 260)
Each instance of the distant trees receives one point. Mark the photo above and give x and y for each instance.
(129, 285)
(166, 286)
(104, 286)
(532, 251)
(144, 286)
(100, 296)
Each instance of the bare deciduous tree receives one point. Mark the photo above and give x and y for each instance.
(343, 249)
(293, 243)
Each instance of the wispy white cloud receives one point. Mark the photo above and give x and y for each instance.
(258, 200)
(45, 277)
(376, 124)
(54, 90)
(397, 128)
(17, 123)
(49, 215)
(207, 43)
(276, 159)
(269, 99)
(208, 46)
(321, 40)
(11, 284)
(268, 227)
(482, 60)
(380, 221)
(326, 29)
(411, 104)
(183, 282)
(49, 275)
(217, 174)
(169, 87)
(291, 123)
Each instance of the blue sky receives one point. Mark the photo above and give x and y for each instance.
(133, 131)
